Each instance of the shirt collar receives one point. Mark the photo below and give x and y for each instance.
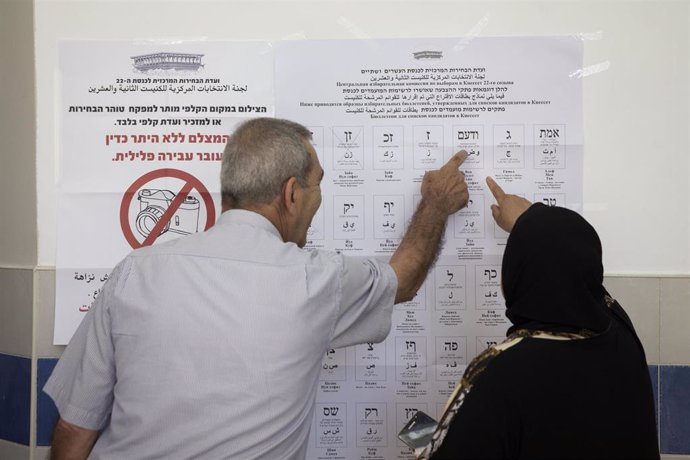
(254, 219)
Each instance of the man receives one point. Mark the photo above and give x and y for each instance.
(210, 346)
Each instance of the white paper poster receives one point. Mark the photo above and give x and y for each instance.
(143, 127)
(382, 112)
(142, 131)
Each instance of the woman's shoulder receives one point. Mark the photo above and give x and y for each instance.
(524, 353)
(498, 360)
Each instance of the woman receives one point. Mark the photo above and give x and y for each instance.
(571, 379)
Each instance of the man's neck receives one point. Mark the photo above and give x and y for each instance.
(270, 211)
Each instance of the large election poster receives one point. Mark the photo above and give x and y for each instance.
(142, 131)
(382, 112)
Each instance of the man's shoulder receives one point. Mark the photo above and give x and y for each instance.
(238, 247)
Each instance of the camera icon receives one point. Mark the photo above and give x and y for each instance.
(154, 202)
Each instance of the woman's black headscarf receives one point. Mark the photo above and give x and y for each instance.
(552, 273)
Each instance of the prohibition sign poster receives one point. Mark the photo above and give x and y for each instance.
(142, 130)
(161, 211)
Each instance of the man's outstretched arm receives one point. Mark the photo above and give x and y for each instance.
(444, 192)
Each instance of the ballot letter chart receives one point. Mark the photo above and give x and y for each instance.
(382, 112)
(142, 127)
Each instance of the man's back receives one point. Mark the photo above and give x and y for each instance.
(218, 340)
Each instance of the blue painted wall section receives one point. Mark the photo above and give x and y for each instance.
(674, 398)
(654, 376)
(47, 412)
(15, 398)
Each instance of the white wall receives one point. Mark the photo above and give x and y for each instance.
(636, 100)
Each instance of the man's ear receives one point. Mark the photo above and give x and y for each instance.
(289, 191)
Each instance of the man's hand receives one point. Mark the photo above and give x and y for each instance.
(445, 189)
(508, 207)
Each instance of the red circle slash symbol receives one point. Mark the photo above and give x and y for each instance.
(163, 210)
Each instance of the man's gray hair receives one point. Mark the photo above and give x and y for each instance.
(260, 156)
